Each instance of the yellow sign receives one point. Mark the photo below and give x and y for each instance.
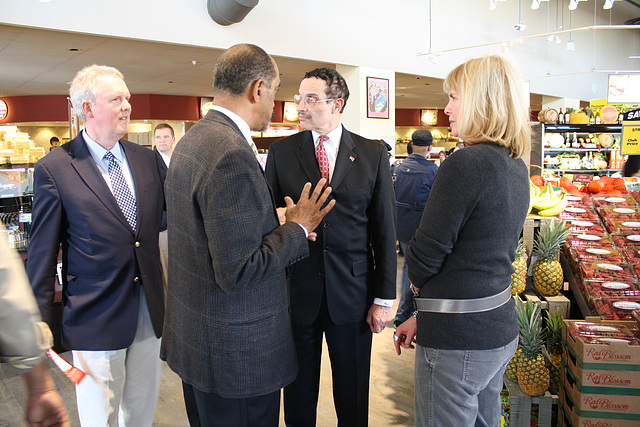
(631, 139)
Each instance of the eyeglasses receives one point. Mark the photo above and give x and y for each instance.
(297, 99)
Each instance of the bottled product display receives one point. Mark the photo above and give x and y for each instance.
(588, 148)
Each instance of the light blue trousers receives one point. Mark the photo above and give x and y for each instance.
(460, 388)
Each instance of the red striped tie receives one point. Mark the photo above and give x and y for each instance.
(323, 160)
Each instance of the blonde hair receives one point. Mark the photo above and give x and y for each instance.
(83, 86)
(494, 106)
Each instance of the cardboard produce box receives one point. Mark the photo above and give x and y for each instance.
(579, 418)
(598, 344)
(597, 402)
(605, 380)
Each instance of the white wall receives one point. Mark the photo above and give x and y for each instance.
(381, 34)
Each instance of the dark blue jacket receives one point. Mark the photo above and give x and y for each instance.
(413, 185)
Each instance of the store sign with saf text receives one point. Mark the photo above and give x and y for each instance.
(631, 132)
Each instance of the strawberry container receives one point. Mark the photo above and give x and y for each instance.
(623, 226)
(584, 226)
(590, 240)
(616, 307)
(614, 200)
(605, 271)
(624, 238)
(591, 254)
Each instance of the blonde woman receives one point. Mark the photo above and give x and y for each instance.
(459, 260)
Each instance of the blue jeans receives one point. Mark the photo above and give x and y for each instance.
(460, 387)
(405, 307)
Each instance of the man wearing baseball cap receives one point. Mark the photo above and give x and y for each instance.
(413, 185)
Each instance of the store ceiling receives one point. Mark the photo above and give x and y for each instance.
(42, 62)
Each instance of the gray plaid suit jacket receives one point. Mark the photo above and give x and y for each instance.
(227, 327)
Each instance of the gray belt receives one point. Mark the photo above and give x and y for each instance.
(458, 306)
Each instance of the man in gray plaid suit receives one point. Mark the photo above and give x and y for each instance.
(227, 332)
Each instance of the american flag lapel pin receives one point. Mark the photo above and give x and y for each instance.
(351, 158)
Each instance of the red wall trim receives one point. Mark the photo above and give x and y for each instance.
(49, 108)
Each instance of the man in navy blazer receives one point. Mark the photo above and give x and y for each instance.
(113, 302)
(345, 288)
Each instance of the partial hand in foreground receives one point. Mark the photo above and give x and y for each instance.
(308, 212)
(44, 405)
(405, 335)
(282, 215)
(378, 317)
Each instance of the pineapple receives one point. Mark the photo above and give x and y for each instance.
(519, 277)
(512, 366)
(553, 332)
(547, 271)
(533, 375)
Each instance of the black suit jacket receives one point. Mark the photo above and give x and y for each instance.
(105, 265)
(354, 256)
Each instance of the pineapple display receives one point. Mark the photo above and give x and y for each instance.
(519, 277)
(553, 332)
(533, 375)
(512, 366)
(547, 271)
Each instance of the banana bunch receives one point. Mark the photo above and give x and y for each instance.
(545, 201)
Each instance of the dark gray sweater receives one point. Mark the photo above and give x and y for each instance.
(466, 243)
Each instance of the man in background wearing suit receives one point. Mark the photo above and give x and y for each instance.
(101, 198)
(165, 139)
(227, 332)
(345, 288)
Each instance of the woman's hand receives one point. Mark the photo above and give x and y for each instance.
(405, 335)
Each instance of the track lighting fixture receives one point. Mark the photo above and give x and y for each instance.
(608, 4)
(535, 4)
(570, 46)
(520, 26)
(573, 4)
(434, 57)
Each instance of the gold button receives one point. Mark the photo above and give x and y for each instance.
(136, 279)
(137, 244)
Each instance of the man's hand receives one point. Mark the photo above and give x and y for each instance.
(44, 405)
(308, 212)
(405, 335)
(282, 215)
(379, 317)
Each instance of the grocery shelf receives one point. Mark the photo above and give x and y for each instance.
(583, 170)
(586, 128)
(582, 150)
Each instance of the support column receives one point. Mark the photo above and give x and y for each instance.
(355, 117)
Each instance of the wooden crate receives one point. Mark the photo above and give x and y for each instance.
(520, 406)
(553, 304)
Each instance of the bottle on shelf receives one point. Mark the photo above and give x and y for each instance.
(567, 117)
(560, 117)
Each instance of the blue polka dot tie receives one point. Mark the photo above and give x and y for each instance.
(121, 190)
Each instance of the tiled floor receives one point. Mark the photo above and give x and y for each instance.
(390, 400)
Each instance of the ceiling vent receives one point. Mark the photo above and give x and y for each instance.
(227, 12)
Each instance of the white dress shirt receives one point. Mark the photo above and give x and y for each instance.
(97, 152)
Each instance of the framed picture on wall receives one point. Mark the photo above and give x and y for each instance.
(377, 98)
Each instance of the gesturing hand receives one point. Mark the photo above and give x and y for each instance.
(308, 212)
